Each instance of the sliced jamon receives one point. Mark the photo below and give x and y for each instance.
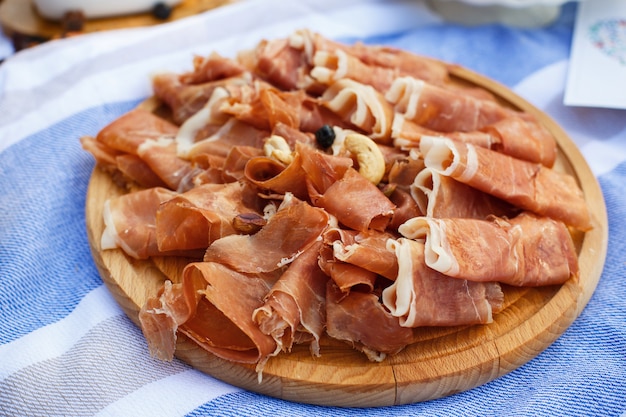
(294, 311)
(129, 131)
(213, 305)
(525, 251)
(185, 100)
(367, 250)
(362, 106)
(200, 216)
(441, 196)
(212, 67)
(441, 109)
(361, 320)
(524, 184)
(342, 197)
(421, 296)
(524, 138)
(130, 221)
(162, 158)
(346, 276)
(295, 227)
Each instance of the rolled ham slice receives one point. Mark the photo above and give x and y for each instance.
(441, 109)
(362, 106)
(525, 251)
(527, 185)
(422, 296)
(440, 196)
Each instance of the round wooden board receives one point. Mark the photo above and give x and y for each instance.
(444, 361)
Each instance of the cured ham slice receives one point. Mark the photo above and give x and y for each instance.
(212, 67)
(338, 198)
(421, 296)
(444, 197)
(278, 62)
(200, 216)
(406, 208)
(407, 134)
(367, 250)
(295, 227)
(232, 133)
(378, 336)
(331, 66)
(130, 222)
(132, 129)
(295, 308)
(185, 100)
(346, 276)
(213, 306)
(524, 138)
(136, 170)
(443, 110)
(525, 251)
(406, 63)
(322, 170)
(273, 176)
(524, 184)
(362, 106)
(161, 156)
(520, 137)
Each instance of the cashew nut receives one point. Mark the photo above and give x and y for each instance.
(277, 147)
(368, 154)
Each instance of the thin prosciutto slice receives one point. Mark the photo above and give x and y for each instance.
(132, 129)
(367, 250)
(200, 216)
(421, 296)
(213, 305)
(341, 197)
(130, 222)
(525, 251)
(295, 308)
(440, 196)
(441, 109)
(291, 230)
(361, 320)
(362, 106)
(524, 138)
(526, 185)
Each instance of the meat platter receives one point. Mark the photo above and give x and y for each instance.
(441, 362)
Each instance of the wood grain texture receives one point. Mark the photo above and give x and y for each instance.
(442, 362)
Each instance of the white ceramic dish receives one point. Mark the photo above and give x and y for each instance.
(521, 13)
(94, 9)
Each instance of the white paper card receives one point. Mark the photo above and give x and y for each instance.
(597, 73)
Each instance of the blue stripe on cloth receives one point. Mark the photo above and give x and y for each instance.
(581, 374)
(43, 235)
(521, 51)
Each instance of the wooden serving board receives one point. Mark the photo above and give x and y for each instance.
(442, 362)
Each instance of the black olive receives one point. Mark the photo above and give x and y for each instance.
(161, 11)
(325, 136)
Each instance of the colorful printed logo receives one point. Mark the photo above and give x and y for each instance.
(609, 36)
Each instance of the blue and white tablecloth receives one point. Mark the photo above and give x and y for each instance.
(67, 349)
